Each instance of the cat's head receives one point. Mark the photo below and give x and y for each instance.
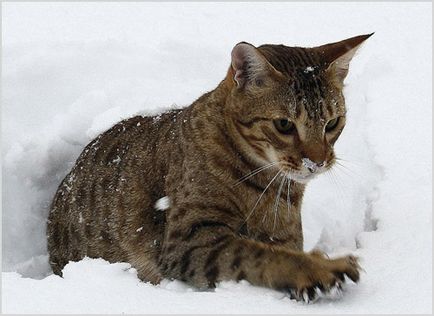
(286, 105)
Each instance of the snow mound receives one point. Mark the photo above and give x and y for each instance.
(87, 284)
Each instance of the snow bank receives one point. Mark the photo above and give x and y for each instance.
(95, 286)
(71, 71)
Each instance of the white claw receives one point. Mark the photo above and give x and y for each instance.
(336, 291)
(305, 296)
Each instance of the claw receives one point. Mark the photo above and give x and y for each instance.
(336, 291)
(353, 276)
(341, 276)
(318, 290)
(305, 296)
(293, 295)
(353, 260)
(309, 295)
(313, 295)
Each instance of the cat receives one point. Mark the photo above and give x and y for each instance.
(233, 166)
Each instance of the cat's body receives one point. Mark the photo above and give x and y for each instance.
(219, 225)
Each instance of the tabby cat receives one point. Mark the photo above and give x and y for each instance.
(233, 165)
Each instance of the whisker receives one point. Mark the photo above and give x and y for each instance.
(343, 182)
(338, 185)
(263, 192)
(274, 204)
(254, 172)
(288, 198)
(332, 178)
(346, 170)
(277, 202)
(352, 161)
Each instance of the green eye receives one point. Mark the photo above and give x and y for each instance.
(331, 125)
(284, 126)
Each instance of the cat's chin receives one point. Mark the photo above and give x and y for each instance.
(301, 178)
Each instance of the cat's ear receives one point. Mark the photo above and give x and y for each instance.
(249, 66)
(337, 56)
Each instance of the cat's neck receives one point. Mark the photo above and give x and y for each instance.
(210, 107)
(215, 100)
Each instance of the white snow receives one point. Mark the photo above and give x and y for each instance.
(70, 71)
(163, 203)
(309, 69)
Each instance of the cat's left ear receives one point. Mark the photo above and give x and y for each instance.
(250, 67)
(337, 56)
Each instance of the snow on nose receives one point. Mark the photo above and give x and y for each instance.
(311, 165)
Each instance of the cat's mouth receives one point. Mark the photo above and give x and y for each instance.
(301, 176)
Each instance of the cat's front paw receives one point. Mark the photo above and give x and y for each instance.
(313, 293)
(324, 277)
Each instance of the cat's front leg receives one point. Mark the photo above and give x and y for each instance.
(208, 251)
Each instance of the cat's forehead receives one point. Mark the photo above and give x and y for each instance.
(303, 67)
(311, 95)
(299, 62)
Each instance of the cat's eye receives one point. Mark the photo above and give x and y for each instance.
(284, 126)
(331, 125)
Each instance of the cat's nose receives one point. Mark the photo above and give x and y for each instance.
(312, 169)
(312, 166)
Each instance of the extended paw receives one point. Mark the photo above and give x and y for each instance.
(325, 277)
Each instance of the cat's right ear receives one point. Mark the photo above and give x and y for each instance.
(339, 54)
(249, 66)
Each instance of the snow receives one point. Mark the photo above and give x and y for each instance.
(309, 69)
(163, 203)
(70, 71)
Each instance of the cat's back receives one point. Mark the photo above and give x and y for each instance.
(109, 195)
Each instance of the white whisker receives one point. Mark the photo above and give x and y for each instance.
(346, 170)
(338, 185)
(254, 172)
(263, 192)
(288, 198)
(353, 161)
(277, 202)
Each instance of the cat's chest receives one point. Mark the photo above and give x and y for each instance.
(274, 214)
